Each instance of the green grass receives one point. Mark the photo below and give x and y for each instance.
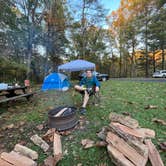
(116, 96)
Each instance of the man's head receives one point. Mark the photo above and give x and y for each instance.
(88, 73)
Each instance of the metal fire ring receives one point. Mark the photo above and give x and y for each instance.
(67, 121)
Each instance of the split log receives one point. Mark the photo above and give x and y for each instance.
(141, 148)
(23, 150)
(122, 134)
(126, 149)
(117, 157)
(40, 142)
(125, 120)
(128, 130)
(57, 147)
(154, 155)
(60, 112)
(136, 143)
(4, 163)
(147, 133)
(16, 159)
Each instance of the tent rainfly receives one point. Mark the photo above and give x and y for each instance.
(55, 81)
(77, 65)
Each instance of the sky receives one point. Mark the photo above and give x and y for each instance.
(111, 4)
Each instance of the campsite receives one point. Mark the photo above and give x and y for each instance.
(82, 83)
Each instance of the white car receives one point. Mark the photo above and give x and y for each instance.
(159, 74)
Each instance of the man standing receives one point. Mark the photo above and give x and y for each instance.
(88, 85)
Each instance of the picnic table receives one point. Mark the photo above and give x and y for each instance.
(10, 93)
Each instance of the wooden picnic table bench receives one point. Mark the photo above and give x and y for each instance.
(10, 94)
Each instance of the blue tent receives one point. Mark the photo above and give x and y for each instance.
(55, 81)
(77, 65)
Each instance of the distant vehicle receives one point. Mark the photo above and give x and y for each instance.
(159, 74)
(100, 77)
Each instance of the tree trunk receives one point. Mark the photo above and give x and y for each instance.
(146, 45)
(163, 57)
(133, 60)
(29, 51)
(83, 30)
(154, 62)
(120, 61)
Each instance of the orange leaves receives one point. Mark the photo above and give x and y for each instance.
(127, 11)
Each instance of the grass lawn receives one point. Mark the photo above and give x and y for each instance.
(116, 96)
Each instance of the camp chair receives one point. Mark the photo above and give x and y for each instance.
(94, 96)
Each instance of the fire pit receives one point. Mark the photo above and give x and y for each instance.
(66, 120)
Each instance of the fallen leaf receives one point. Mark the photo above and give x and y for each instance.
(65, 133)
(21, 123)
(1, 135)
(71, 137)
(102, 164)
(102, 133)
(21, 130)
(50, 108)
(87, 122)
(65, 152)
(151, 107)
(22, 142)
(130, 102)
(160, 121)
(48, 136)
(87, 143)
(79, 164)
(126, 113)
(39, 127)
(8, 127)
(163, 146)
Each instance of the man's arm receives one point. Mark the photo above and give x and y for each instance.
(96, 81)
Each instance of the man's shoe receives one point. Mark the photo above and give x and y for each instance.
(83, 110)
